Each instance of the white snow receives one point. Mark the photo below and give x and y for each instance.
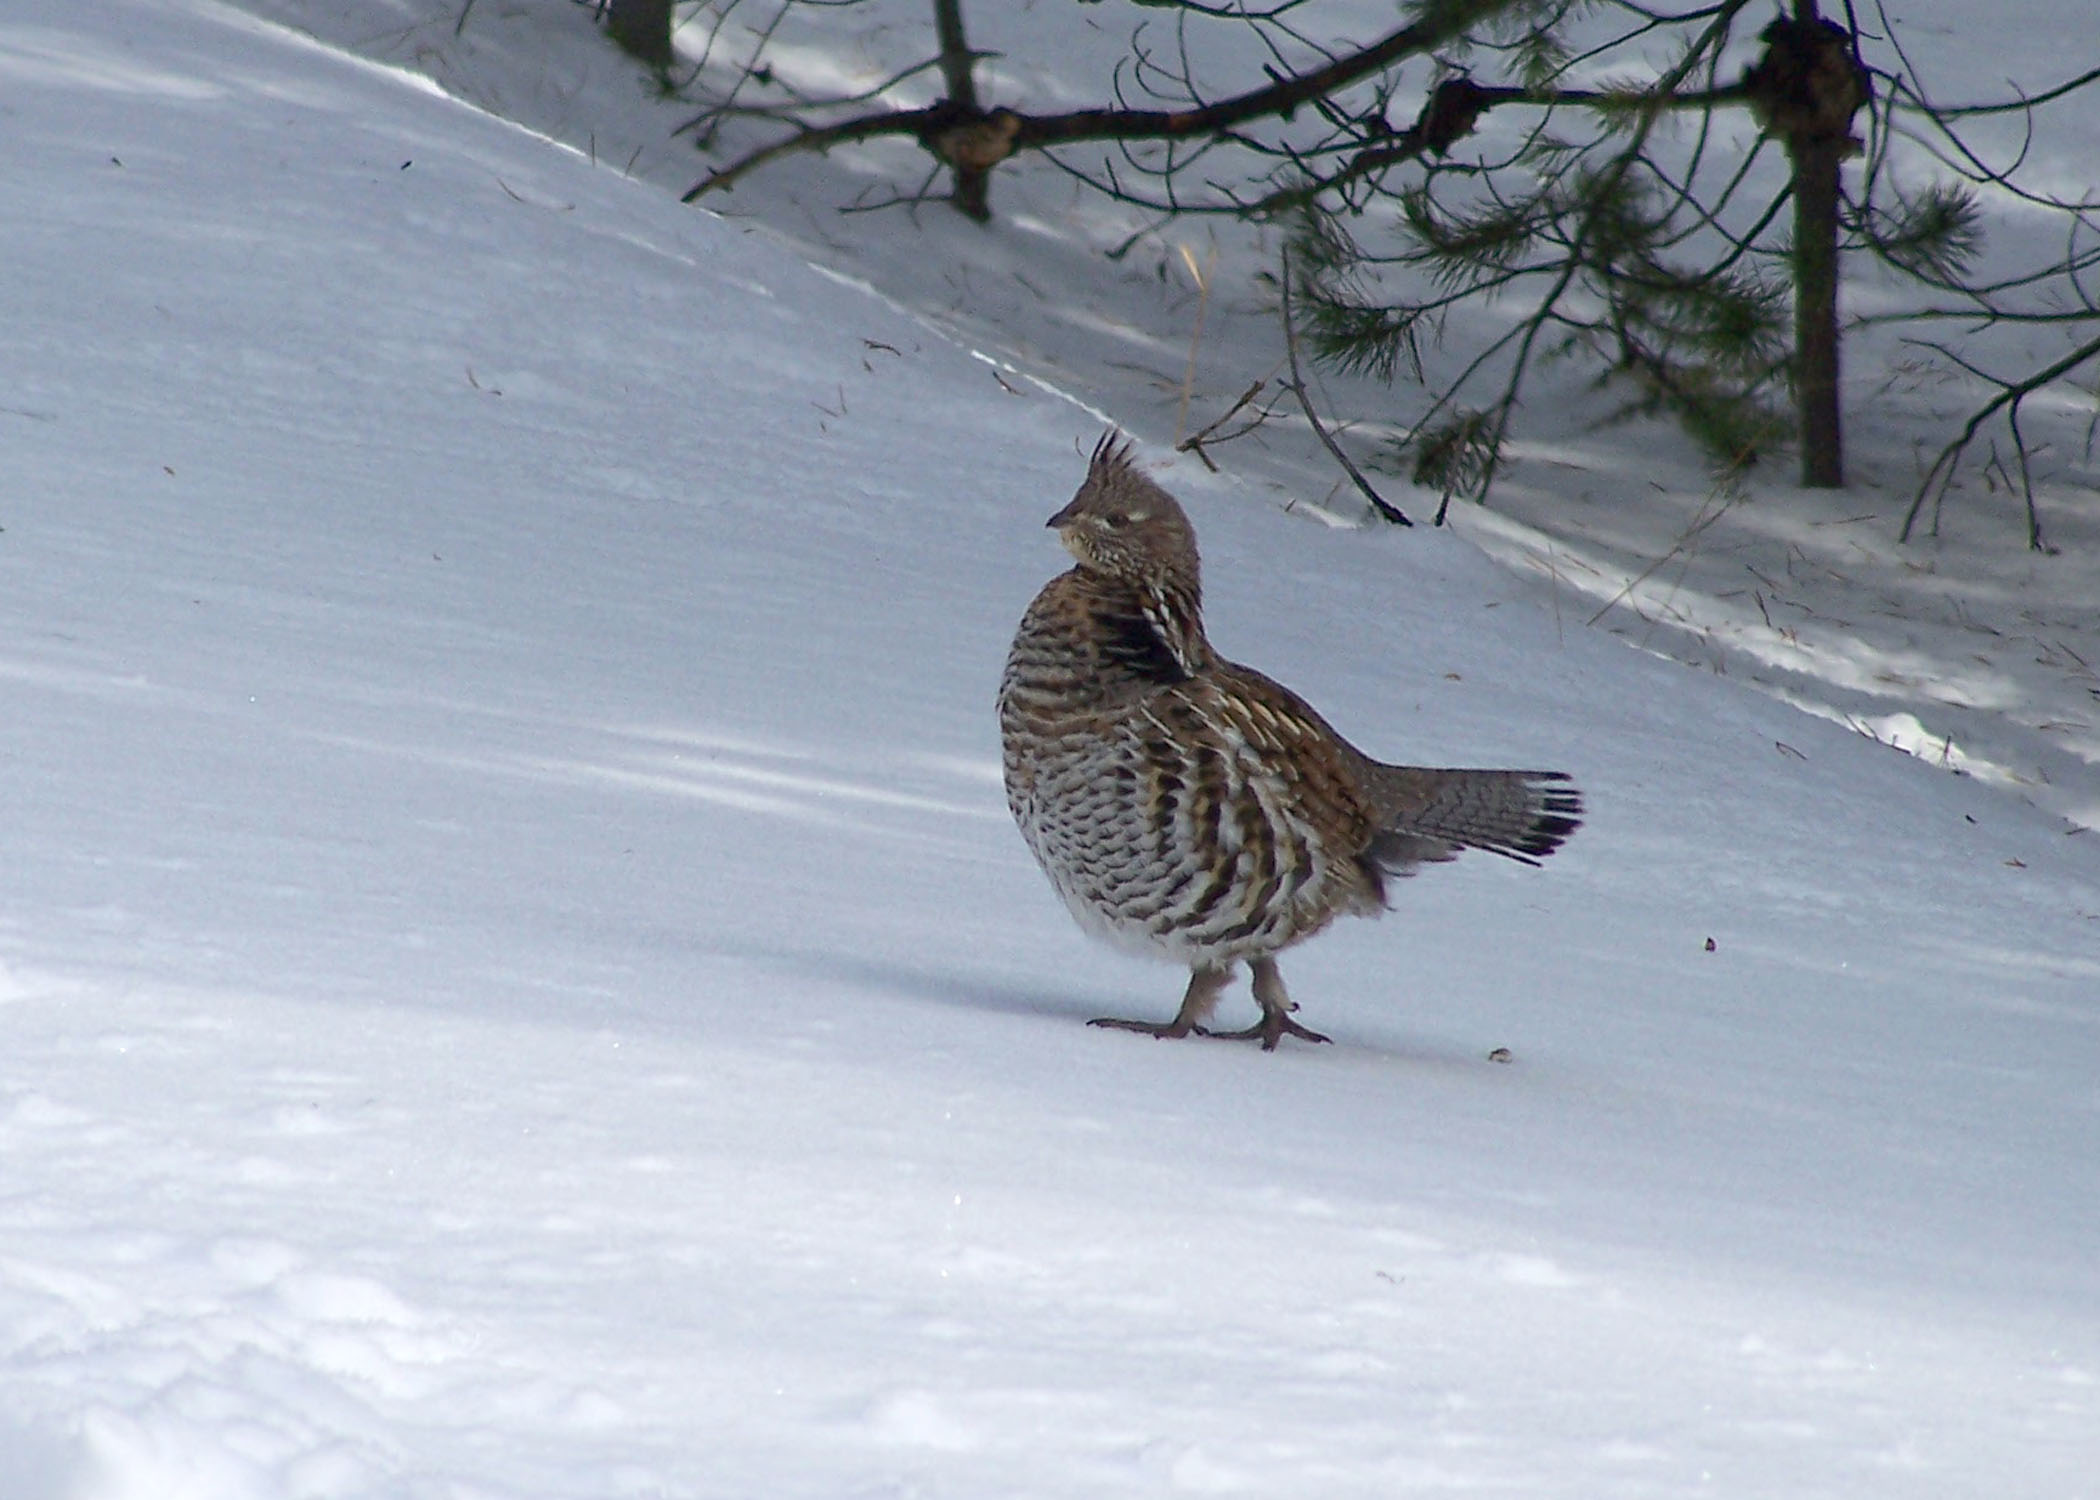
(516, 978)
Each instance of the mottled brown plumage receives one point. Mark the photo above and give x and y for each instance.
(1186, 806)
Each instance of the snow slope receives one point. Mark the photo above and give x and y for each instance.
(516, 980)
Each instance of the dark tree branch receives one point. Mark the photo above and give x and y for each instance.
(1454, 109)
(817, 138)
(973, 169)
(995, 134)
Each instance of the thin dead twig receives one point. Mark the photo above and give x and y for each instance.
(1385, 508)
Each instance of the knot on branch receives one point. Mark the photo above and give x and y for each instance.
(1454, 108)
(970, 140)
(1809, 83)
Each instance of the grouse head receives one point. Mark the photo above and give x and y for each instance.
(1123, 525)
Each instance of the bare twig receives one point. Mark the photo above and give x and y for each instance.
(1195, 443)
(2010, 394)
(1196, 440)
(1708, 514)
(1385, 508)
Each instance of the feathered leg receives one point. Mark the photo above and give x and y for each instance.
(1197, 1002)
(1276, 1007)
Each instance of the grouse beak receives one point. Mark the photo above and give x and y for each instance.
(1067, 530)
(1065, 523)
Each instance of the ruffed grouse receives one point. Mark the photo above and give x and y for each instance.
(1188, 807)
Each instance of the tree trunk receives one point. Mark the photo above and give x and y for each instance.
(1815, 311)
(1805, 89)
(642, 28)
(973, 178)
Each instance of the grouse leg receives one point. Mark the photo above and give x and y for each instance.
(1276, 1007)
(1197, 1002)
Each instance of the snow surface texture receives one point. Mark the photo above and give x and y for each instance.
(515, 977)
